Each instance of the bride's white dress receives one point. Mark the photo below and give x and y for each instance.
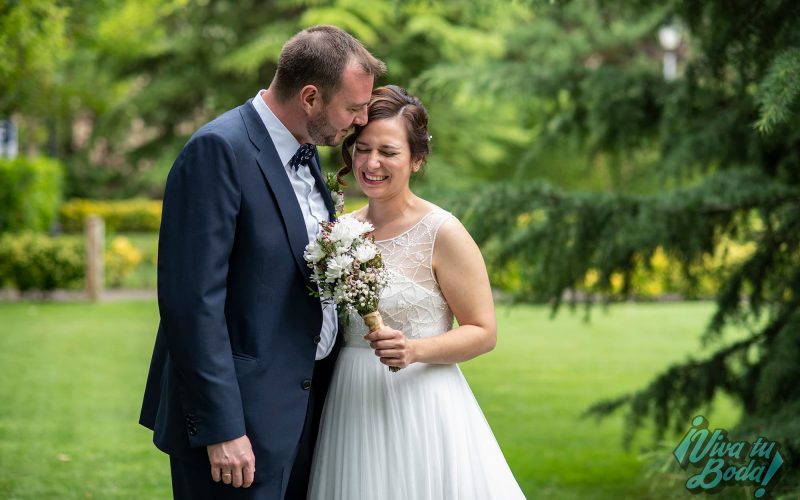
(417, 434)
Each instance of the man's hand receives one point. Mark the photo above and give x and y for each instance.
(233, 462)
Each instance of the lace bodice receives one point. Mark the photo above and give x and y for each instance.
(413, 302)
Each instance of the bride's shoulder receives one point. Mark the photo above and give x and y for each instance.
(454, 248)
(449, 231)
(435, 211)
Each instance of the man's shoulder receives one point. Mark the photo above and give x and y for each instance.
(229, 125)
(227, 130)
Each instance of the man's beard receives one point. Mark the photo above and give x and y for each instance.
(321, 132)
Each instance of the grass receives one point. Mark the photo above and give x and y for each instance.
(73, 375)
(72, 378)
(544, 374)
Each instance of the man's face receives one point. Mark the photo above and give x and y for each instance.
(347, 107)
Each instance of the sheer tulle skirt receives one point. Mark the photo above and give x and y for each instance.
(412, 435)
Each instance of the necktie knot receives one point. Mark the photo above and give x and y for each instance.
(302, 156)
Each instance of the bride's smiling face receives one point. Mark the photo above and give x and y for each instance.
(382, 158)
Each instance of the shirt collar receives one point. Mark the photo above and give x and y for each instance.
(284, 141)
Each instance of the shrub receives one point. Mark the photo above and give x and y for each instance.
(30, 192)
(31, 261)
(121, 258)
(119, 215)
(657, 276)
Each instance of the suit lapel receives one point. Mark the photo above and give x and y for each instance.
(270, 164)
(323, 189)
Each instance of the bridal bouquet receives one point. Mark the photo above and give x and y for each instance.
(348, 269)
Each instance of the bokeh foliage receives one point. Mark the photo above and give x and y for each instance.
(556, 138)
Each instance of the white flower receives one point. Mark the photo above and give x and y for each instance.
(337, 266)
(365, 252)
(314, 252)
(347, 228)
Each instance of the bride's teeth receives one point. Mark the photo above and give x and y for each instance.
(371, 178)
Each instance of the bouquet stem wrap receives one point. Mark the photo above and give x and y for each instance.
(374, 321)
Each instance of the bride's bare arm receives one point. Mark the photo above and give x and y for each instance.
(461, 273)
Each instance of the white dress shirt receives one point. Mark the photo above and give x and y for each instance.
(311, 204)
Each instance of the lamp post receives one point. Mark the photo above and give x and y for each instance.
(669, 36)
(8, 139)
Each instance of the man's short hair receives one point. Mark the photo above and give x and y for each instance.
(318, 56)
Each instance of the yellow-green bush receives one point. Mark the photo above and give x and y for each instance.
(31, 261)
(30, 191)
(121, 258)
(119, 215)
(655, 277)
(661, 274)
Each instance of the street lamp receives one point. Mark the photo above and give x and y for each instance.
(8, 139)
(669, 36)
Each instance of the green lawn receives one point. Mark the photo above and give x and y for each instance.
(73, 374)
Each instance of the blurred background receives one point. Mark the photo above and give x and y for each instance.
(630, 169)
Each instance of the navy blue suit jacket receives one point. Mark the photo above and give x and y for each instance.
(236, 343)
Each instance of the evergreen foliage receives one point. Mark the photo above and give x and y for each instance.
(723, 141)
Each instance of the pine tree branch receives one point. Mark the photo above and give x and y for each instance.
(778, 91)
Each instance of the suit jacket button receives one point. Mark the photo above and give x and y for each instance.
(317, 339)
(306, 385)
(192, 431)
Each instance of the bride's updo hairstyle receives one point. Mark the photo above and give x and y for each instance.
(388, 102)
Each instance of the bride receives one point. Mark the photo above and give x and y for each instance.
(418, 433)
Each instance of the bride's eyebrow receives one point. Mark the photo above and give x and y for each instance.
(384, 146)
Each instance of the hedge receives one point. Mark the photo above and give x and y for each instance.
(33, 261)
(119, 215)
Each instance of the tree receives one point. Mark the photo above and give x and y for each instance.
(142, 76)
(32, 42)
(722, 145)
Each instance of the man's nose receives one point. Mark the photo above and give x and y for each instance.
(361, 117)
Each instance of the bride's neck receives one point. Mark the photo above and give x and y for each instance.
(383, 212)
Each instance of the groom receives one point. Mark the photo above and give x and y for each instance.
(243, 354)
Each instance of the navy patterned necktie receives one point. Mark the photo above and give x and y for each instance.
(303, 156)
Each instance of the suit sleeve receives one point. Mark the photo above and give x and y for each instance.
(201, 203)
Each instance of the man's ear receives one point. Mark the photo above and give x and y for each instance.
(310, 99)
